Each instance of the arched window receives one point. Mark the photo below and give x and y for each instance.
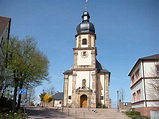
(84, 83)
(84, 41)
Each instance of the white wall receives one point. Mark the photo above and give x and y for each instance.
(84, 75)
(149, 69)
(70, 85)
(138, 105)
(138, 87)
(102, 84)
(84, 61)
(153, 104)
(57, 103)
(152, 93)
(146, 84)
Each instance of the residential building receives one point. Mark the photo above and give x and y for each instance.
(86, 83)
(58, 99)
(145, 84)
(5, 23)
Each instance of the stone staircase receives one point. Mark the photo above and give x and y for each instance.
(85, 113)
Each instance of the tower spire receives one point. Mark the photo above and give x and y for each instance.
(86, 5)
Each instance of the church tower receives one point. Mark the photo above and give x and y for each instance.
(86, 83)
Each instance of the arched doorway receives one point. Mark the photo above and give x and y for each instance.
(83, 100)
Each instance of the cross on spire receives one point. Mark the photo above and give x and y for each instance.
(86, 3)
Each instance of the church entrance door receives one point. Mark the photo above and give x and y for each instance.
(83, 100)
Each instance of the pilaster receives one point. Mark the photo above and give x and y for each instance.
(65, 90)
(89, 41)
(107, 90)
(75, 57)
(93, 53)
(79, 41)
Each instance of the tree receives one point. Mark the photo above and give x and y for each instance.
(50, 90)
(122, 94)
(26, 64)
(47, 98)
(31, 94)
(153, 83)
(42, 96)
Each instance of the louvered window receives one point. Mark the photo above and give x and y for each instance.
(84, 41)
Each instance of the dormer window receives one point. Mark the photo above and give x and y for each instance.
(84, 41)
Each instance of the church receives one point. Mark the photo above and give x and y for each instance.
(86, 83)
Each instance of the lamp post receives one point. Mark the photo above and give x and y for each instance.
(118, 100)
(89, 92)
(43, 99)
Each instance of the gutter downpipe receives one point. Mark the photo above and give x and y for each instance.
(104, 88)
(144, 84)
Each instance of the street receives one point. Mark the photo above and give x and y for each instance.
(74, 113)
(41, 113)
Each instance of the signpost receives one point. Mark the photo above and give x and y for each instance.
(22, 91)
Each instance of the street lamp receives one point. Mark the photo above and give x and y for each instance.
(118, 100)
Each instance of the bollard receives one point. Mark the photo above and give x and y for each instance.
(83, 115)
(75, 114)
(62, 109)
(68, 111)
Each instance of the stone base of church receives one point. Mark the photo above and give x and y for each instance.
(90, 100)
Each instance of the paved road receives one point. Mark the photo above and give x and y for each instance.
(74, 113)
(40, 113)
(97, 113)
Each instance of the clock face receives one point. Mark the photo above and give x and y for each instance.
(84, 54)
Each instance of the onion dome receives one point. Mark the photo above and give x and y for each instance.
(85, 26)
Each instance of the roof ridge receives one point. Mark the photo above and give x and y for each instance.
(155, 56)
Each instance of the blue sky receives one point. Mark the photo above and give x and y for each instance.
(126, 30)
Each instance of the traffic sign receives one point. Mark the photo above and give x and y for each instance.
(22, 91)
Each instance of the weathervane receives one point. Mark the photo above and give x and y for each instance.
(86, 3)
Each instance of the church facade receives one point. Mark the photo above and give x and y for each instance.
(86, 83)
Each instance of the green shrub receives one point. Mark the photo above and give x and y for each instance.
(136, 115)
(103, 106)
(10, 115)
(99, 105)
(32, 104)
(140, 117)
(133, 113)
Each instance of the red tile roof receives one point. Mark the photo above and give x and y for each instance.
(4, 21)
